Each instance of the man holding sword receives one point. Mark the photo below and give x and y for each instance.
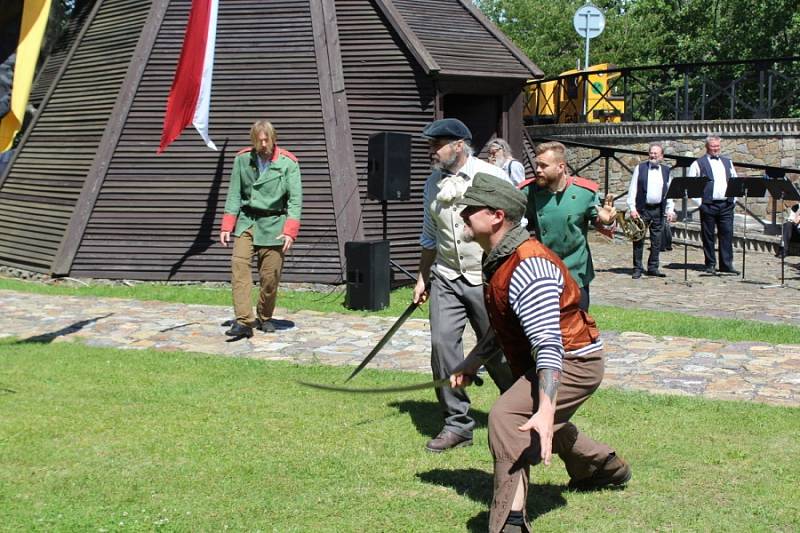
(553, 348)
(450, 273)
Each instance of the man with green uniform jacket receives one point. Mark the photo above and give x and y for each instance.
(560, 209)
(263, 213)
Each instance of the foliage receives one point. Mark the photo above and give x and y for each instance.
(647, 32)
(93, 439)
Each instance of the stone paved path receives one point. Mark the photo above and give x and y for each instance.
(744, 370)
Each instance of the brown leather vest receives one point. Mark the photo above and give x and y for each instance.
(578, 329)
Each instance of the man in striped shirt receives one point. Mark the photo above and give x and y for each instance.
(553, 348)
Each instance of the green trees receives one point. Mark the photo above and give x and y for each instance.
(646, 32)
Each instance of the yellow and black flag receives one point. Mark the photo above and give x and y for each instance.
(22, 26)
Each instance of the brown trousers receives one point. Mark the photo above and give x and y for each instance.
(270, 263)
(514, 451)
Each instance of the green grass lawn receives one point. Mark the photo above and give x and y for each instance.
(94, 439)
(662, 323)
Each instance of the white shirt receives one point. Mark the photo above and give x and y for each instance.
(443, 228)
(720, 181)
(655, 184)
(515, 172)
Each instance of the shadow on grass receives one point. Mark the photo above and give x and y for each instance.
(477, 486)
(47, 338)
(427, 416)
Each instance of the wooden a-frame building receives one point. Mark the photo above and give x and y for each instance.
(86, 195)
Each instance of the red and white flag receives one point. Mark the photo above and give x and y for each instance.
(190, 95)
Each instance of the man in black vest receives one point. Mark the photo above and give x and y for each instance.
(791, 230)
(647, 199)
(716, 211)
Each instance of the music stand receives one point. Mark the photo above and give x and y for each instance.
(746, 186)
(685, 188)
(782, 189)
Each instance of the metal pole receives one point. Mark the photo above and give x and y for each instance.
(686, 95)
(586, 55)
(586, 76)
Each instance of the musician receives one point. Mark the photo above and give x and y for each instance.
(647, 200)
(791, 230)
(716, 210)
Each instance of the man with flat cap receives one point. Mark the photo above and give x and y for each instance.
(450, 274)
(553, 348)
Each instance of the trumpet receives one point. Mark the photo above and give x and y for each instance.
(635, 229)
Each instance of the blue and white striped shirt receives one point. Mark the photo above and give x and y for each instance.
(535, 297)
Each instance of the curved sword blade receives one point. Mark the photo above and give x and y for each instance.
(381, 343)
(444, 382)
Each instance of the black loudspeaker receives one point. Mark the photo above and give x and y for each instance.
(389, 166)
(368, 274)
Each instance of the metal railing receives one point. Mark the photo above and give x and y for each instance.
(680, 165)
(754, 89)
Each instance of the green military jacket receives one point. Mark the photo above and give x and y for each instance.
(269, 202)
(561, 221)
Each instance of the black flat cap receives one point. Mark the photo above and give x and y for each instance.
(447, 128)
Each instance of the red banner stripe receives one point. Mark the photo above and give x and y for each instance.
(183, 95)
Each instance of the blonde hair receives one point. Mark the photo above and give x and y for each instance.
(558, 149)
(265, 127)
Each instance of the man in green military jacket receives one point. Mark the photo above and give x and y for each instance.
(263, 212)
(560, 209)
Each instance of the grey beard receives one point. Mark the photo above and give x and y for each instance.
(446, 164)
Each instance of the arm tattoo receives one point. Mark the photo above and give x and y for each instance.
(548, 382)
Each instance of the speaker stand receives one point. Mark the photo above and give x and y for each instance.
(385, 217)
(411, 276)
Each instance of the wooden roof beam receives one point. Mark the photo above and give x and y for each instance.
(62, 263)
(336, 121)
(409, 38)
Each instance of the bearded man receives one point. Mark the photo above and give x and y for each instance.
(450, 273)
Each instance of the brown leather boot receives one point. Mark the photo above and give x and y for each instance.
(614, 472)
(446, 440)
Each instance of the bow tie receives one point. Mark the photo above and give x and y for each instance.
(715, 157)
(654, 166)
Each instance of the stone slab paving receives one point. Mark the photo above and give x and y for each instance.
(741, 371)
(754, 298)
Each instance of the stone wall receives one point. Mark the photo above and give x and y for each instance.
(762, 142)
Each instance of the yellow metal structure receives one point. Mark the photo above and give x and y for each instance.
(32, 26)
(564, 99)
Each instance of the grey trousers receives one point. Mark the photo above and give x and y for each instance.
(452, 303)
